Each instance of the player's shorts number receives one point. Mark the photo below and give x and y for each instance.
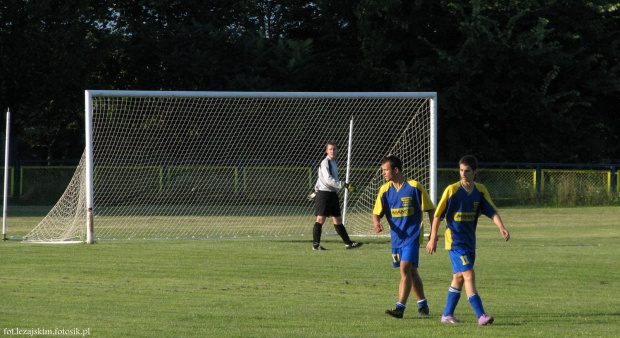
(395, 258)
(465, 260)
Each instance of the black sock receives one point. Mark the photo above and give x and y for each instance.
(342, 231)
(316, 233)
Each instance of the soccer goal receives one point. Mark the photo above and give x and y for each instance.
(173, 165)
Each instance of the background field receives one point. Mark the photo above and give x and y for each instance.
(558, 276)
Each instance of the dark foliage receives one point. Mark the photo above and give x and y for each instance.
(518, 81)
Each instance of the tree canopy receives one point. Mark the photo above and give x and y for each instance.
(517, 81)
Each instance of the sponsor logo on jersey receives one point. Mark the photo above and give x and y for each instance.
(403, 212)
(465, 216)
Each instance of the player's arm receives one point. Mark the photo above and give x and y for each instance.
(498, 222)
(431, 246)
(431, 216)
(377, 211)
(376, 220)
(440, 211)
(489, 209)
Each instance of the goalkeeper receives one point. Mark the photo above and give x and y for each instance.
(326, 201)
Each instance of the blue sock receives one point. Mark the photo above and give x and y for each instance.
(476, 303)
(422, 303)
(454, 295)
(400, 305)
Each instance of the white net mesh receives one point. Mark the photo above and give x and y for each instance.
(203, 167)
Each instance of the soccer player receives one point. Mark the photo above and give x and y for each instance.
(461, 204)
(403, 202)
(326, 201)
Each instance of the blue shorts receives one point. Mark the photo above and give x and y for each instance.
(409, 253)
(462, 260)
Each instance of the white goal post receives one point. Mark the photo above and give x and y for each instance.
(172, 164)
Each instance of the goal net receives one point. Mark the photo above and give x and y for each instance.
(167, 165)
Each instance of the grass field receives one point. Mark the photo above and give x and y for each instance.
(558, 276)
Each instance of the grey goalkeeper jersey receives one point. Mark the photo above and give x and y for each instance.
(328, 176)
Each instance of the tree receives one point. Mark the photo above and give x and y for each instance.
(44, 66)
(517, 80)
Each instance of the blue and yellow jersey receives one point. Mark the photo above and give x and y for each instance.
(461, 210)
(403, 209)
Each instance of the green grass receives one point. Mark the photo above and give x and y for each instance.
(558, 276)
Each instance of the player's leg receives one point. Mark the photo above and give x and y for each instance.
(342, 231)
(316, 233)
(469, 280)
(412, 254)
(418, 290)
(334, 204)
(454, 295)
(409, 279)
(460, 262)
(406, 281)
(474, 299)
(321, 211)
(403, 286)
(404, 289)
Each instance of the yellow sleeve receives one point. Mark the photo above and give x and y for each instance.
(427, 203)
(378, 209)
(443, 203)
(486, 194)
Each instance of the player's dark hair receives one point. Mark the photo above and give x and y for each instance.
(330, 143)
(394, 161)
(469, 160)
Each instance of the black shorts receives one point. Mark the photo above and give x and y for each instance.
(326, 203)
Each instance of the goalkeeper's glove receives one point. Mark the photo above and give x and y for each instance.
(349, 186)
(310, 197)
